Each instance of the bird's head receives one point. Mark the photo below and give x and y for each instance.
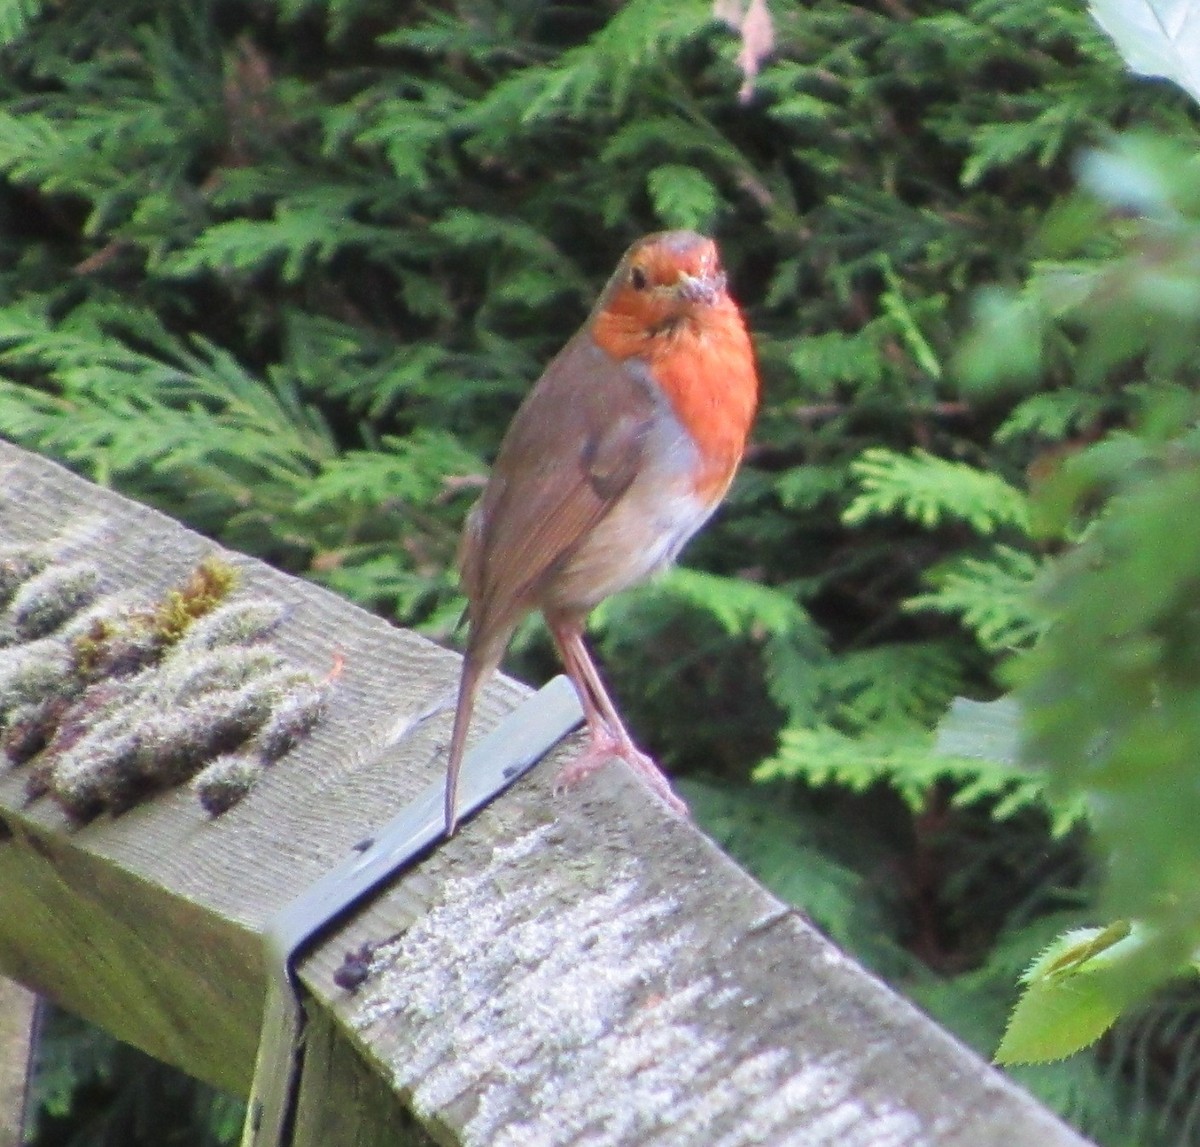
(663, 280)
(667, 315)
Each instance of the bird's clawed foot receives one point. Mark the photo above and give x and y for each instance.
(602, 746)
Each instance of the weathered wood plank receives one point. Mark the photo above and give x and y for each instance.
(577, 968)
(148, 923)
(17, 1009)
(595, 971)
(343, 1101)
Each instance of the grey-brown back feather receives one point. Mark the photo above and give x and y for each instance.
(573, 448)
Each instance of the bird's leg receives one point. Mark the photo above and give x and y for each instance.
(607, 735)
(583, 676)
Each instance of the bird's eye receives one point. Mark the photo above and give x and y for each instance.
(637, 279)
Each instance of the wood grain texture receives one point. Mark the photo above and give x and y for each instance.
(343, 1101)
(17, 1007)
(574, 968)
(590, 970)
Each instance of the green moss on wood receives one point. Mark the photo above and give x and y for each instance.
(110, 700)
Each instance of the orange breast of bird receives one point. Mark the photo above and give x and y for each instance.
(699, 365)
(704, 367)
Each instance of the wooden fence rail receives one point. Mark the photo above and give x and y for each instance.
(578, 968)
(17, 1015)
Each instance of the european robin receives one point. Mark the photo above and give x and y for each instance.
(617, 456)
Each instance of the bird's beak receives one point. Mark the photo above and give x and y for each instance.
(703, 288)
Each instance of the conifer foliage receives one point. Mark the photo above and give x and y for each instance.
(285, 269)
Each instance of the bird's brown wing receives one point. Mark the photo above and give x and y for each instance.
(572, 450)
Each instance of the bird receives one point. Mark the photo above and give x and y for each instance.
(619, 453)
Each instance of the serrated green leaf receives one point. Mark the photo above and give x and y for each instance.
(1075, 949)
(1075, 990)
(1056, 1018)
